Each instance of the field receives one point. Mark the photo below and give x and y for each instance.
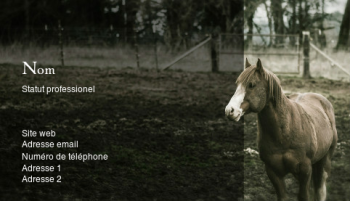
(165, 133)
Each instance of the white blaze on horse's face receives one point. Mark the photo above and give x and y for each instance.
(233, 110)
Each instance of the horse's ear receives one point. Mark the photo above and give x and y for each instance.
(260, 67)
(247, 64)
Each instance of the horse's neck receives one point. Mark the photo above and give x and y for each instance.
(272, 121)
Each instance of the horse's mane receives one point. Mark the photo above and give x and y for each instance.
(275, 89)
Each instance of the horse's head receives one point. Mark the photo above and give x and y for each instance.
(255, 88)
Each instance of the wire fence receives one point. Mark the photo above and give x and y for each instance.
(104, 48)
(109, 48)
(281, 53)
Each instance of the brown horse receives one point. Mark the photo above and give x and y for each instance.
(297, 134)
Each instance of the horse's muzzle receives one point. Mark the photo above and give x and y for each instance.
(235, 114)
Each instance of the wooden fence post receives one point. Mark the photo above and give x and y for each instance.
(60, 42)
(214, 54)
(306, 53)
(155, 50)
(137, 50)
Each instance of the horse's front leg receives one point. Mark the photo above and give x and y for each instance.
(304, 177)
(277, 182)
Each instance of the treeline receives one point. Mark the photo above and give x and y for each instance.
(173, 21)
(295, 16)
(170, 20)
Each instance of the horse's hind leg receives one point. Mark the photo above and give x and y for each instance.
(320, 172)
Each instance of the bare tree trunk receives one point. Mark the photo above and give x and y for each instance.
(294, 17)
(322, 38)
(125, 22)
(250, 31)
(251, 7)
(27, 19)
(228, 17)
(343, 40)
(277, 14)
(300, 19)
(269, 19)
(322, 14)
(293, 25)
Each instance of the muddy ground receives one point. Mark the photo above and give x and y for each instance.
(165, 134)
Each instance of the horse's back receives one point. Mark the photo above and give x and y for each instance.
(314, 103)
(308, 100)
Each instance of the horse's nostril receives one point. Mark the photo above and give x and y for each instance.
(232, 110)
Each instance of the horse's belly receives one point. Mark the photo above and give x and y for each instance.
(319, 127)
(322, 137)
(324, 142)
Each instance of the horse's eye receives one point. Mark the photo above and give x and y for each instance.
(251, 85)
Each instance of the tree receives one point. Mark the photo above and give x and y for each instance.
(180, 17)
(225, 14)
(250, 8)
(343, 40)
(277, 15)
(269, 21)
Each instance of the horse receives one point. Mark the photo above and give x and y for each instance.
(296, 134)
